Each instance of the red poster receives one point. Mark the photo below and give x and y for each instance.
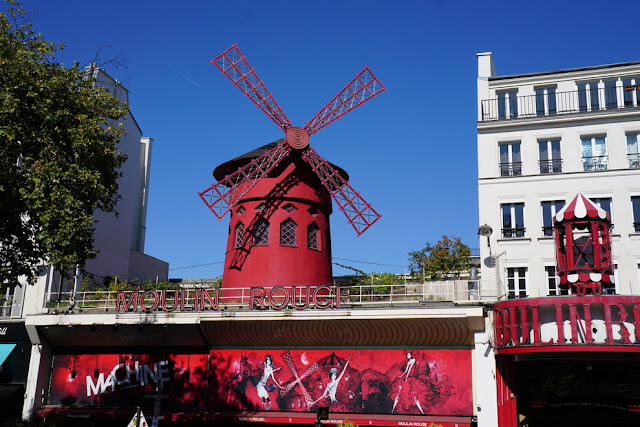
(347, 381)
(109, 379)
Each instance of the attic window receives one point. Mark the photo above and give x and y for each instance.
(241, 210)
(289, 207)
(312, 211)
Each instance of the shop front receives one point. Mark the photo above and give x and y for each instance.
(568, 361)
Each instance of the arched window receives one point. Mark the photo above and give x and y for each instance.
(313, 236)
(239, 238)
(261, 232)
(288, 231)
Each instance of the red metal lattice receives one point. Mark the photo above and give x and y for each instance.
(358, 91)
(235, 66)
(222, 196)
(360, 214)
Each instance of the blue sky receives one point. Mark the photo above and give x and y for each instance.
(411, 152)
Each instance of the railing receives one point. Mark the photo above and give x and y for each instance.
(550, 166)
(634, 161)
(513, 233)
(595, 163)
(547, 231)
(511, 169)
(579, 101)
(372, 296)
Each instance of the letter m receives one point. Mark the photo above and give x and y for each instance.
(121, 301)
(98, 387)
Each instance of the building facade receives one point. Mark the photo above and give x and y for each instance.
(561, 358)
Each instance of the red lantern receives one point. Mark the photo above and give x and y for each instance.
(583, 247)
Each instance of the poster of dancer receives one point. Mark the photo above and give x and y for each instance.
(418, 382)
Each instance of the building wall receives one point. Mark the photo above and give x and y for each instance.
(499, 185)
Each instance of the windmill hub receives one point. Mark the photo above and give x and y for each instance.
(297, 138)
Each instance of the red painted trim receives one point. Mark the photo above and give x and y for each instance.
(573, 348)
(261, 417)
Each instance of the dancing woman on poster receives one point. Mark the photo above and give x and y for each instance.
(332, 386)
(262, 387)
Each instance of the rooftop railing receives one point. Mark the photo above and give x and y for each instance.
(356, 296)
(558, 103)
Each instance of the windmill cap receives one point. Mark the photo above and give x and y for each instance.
(229, 167)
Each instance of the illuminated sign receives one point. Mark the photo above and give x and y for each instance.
(597, 320)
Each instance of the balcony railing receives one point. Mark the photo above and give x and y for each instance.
(375, 295)
(547, 231)
(579, 101)
(550, 166)
(634, 161)
(511, 169)
(595, 163)
(513, 233)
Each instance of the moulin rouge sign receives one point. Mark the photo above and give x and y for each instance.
(277, 298)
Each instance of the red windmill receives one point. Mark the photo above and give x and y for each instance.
(280, 194)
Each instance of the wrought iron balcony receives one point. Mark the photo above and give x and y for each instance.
(595, 163)
(513, 233)
(550, 166)
(547, 231)
(579, 101)
(511, 169)
(634, 161)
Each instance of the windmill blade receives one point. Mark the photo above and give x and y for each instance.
(360, 214)
(358, 91)
(235, 66)
(225, 194)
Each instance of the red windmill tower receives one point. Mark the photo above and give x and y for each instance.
(280, 195)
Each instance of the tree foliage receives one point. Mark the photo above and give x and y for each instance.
(442, 261)
(59, 160)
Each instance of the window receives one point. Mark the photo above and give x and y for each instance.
(610, 94)
(631, 90)
(594, 153)
(633, 154)
(517, 282)
(261, 232)
(239, 240)
(289, 207)
(550, 159)
(545, 101)
(241, 210)
(549, 210)
(508, 104)
(552, 282)
(635, 204)
(512, 220)
(313, 232)
(288, 229)
(261, 207)
(603, 202)
(588, 97)
(510, 160)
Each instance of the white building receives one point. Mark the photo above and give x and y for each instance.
(542, 138)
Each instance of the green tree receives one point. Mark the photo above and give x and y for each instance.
(442, 261)
(59, 160)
